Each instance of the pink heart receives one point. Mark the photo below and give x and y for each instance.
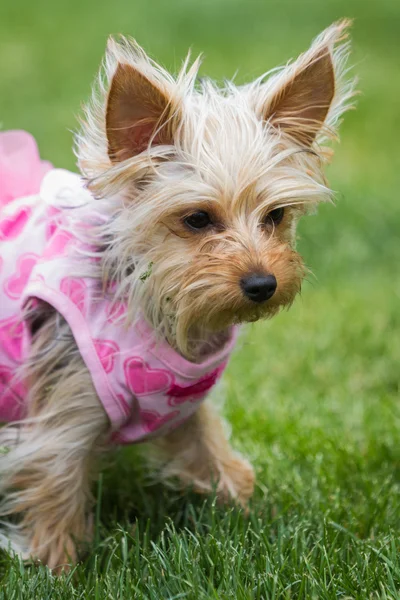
(106, 350)
(142, 380)
(192, 393)
(75, 289)
(11, 334)
(15, 284)
(12, 394)
(11, 227)
(152, 420)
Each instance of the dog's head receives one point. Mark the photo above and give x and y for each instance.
(207, 183)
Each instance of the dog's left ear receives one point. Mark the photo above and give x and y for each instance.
(299, 98)
(139, 105)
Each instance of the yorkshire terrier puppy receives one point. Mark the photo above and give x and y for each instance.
(122, 289)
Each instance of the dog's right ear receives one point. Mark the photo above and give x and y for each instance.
(139, 104)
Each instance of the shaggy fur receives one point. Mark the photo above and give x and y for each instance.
(157, 149)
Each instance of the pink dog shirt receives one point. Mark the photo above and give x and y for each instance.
(144, 385)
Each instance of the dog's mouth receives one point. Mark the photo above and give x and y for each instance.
(237, 316)
(254, 315)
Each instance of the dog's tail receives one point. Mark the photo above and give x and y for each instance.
(21, 169)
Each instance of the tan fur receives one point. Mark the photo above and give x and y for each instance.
(199, 454)
(49, 468)
(156, 149)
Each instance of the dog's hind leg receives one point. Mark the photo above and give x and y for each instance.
(46, 475)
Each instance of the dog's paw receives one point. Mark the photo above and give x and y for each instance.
(59, 554)
(236, 481)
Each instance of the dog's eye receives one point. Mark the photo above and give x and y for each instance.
(198, 220)
(275, 216)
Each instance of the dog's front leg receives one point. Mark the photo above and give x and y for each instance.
(46, 475)
(199, 454)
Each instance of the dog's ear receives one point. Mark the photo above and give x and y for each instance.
(298, 99)
(300, 107)
(138, 110)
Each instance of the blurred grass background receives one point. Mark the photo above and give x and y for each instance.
(50, 52)
(313, 396)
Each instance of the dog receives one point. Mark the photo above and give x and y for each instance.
(123, 288)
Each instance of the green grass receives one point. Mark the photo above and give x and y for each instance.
(313, 396)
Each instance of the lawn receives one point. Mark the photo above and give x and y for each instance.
(313, 396)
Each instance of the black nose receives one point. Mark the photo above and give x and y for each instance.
(259, 288)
